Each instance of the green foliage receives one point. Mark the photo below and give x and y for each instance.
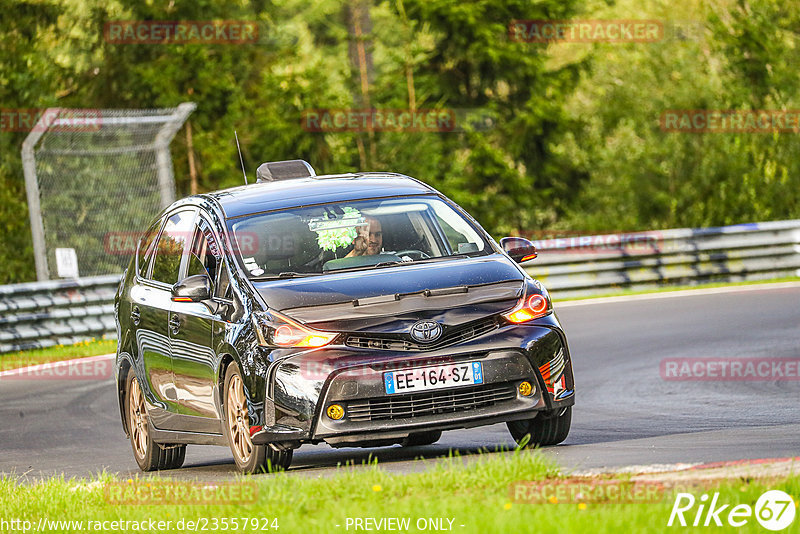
(742, 56)
(574, 140)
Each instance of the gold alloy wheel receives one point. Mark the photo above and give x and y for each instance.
(137, 415)
(238, 421)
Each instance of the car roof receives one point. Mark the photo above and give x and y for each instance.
(282, 194)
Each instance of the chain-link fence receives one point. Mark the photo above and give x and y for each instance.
(94, 178)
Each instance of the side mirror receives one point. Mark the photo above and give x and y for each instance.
(519, 248)
(195, 288)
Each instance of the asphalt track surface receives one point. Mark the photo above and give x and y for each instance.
(626, 414)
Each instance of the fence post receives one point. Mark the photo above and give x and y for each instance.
(166, 179)
(32, 190)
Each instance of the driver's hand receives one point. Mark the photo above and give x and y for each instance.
(362, 240)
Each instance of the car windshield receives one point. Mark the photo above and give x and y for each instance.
(352, 235)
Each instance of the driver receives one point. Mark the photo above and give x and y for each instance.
(369, 240)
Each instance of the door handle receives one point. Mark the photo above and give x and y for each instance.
(175, 324)
(136, 315)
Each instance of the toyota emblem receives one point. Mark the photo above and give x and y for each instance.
(426, 331)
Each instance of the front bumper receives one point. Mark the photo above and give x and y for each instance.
(300, 387)
(369, 409)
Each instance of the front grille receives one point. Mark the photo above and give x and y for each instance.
(430, 403)
(403, 342)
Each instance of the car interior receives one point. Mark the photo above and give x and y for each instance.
(286, 243)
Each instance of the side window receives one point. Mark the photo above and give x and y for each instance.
(169, 251)
(224, 282)
(146, 247)
(203, 257)
(454, 238)
(461, 237)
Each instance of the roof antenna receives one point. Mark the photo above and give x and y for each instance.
(240, 156)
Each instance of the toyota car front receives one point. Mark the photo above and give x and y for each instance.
(390, 320)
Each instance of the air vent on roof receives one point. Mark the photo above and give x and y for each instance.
(272, 171)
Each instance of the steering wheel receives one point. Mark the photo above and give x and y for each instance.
(413, 254)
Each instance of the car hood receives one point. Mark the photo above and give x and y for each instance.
(391, 299)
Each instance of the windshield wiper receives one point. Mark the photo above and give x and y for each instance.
(412, 262)
(440, 258)
(387, 264)
(395, 262)
(285, 274)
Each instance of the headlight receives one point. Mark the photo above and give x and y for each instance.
(276, 330)
(528, 308)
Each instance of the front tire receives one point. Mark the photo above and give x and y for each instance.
(149, 455)
(547, 428)
(249, 457)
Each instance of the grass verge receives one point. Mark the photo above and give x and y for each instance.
(476, 497)
(94, 347)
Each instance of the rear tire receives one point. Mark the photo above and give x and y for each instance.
(422, 438)
(149, 455)
(547, 428)
(249, 457)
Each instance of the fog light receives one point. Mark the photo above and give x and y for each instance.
(525, 389)
(335, 412)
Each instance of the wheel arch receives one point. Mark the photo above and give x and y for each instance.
(124, 367)
(252, 366)
(226, 358)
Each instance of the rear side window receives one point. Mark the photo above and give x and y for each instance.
(146, 247)
(171, 244)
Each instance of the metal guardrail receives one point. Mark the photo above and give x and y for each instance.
(43, 314)
(590, 265)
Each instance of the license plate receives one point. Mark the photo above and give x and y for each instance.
(435, 377)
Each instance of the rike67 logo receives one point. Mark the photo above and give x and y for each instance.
(774, 510)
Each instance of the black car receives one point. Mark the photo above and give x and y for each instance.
(358, 309)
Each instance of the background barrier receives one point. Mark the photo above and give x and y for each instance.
(590, 265)
(43, 314)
